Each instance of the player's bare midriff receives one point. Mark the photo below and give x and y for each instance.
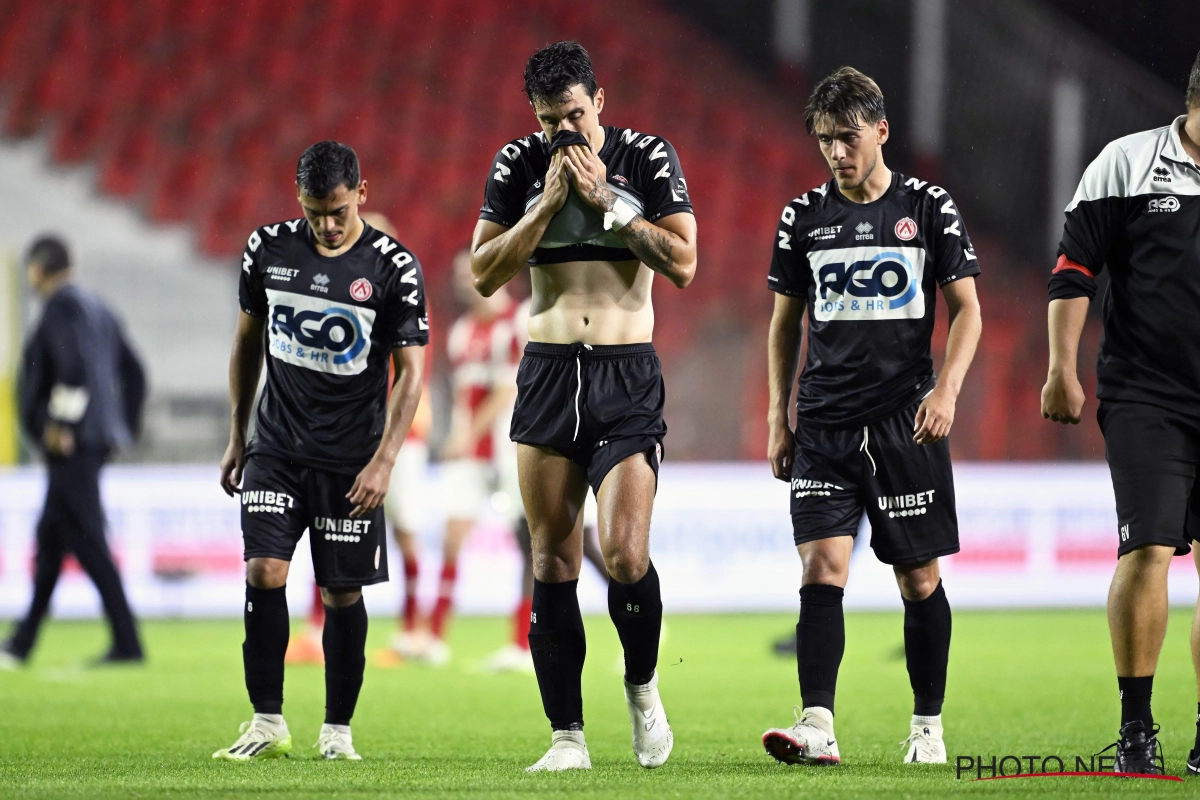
(593, 302)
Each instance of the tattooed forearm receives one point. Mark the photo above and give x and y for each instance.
(650, 244)
(600, 193)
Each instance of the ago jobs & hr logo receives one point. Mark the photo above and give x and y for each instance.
(319, 334)
(868, 283)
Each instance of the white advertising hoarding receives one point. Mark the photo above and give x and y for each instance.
(1032, 535)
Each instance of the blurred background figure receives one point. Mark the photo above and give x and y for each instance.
(480, 462)
(402, 508)
(81, 393)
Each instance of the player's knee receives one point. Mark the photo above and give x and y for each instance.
(553, 567)
(825, 568)
(340, 598)
(626, 566)
(917, 584)
(266, 573)
(1148, 558)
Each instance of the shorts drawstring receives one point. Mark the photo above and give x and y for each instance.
(865, 449)
(578, 385)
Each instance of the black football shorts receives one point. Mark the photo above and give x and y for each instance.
(595, 404)
(905, 488)
(281, 499)
(1153, 454)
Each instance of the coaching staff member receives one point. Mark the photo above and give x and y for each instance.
(1137, 211)
(81, 394)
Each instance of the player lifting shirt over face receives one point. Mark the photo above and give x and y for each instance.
(594, 211)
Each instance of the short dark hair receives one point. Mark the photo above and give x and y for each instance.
(552, 71)
(846, 96)
(325, 166)
(50, 253)
(1193, 90)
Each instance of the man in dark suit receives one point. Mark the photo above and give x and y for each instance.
(81, 395)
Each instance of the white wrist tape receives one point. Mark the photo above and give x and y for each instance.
(621, 215)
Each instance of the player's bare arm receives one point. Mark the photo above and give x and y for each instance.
(783, 358)
(371, 485)
(668, 248)
(245, 366)
(498, 253)
(1062, 396)
(935, 416)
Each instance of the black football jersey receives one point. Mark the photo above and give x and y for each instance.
(1137, 213)
(332, 323)
(643, 169)
(870, 273)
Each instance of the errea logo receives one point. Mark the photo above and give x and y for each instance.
(1169, 203)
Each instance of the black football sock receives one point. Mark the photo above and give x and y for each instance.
(266, 619)
(820, 643)
(1196, 749)
(636, 610)
(344, 641)
(558, 647)
(927, 650)
(1135, 700)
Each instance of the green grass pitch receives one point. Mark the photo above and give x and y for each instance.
(1027, 683)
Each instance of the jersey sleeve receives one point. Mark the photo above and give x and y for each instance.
(252, 295)
(407, 323)
(789, 273)
(503, 196)
(953, 255)
(1091, 218)
(664, 189)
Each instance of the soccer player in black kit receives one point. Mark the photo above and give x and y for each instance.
(596, 211)
(329, 299)
(1137, 212)
(863, 255)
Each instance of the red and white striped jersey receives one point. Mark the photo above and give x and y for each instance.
(484, 354)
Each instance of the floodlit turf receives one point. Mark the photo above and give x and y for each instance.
(1020, 684)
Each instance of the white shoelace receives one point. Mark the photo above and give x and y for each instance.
(921, 741)
(335, 741)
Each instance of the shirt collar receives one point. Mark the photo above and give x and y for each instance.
(1173, 148)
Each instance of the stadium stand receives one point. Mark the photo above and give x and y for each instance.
(194, 111)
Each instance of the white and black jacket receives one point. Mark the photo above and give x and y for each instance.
(1137, 213)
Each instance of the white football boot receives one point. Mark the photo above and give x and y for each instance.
(264, 736)
(809, 741)
(437, 654)
(509, 658)
(410, 645)
(652, 735)
(568, 750)
(334, 744)
(925, 745)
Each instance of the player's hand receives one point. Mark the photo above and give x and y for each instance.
(591, 178)
(934, 417)
(1062, 398)
(558, 184)
(58, 440)
(233, 463)
(370, 487)
(780, 449)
